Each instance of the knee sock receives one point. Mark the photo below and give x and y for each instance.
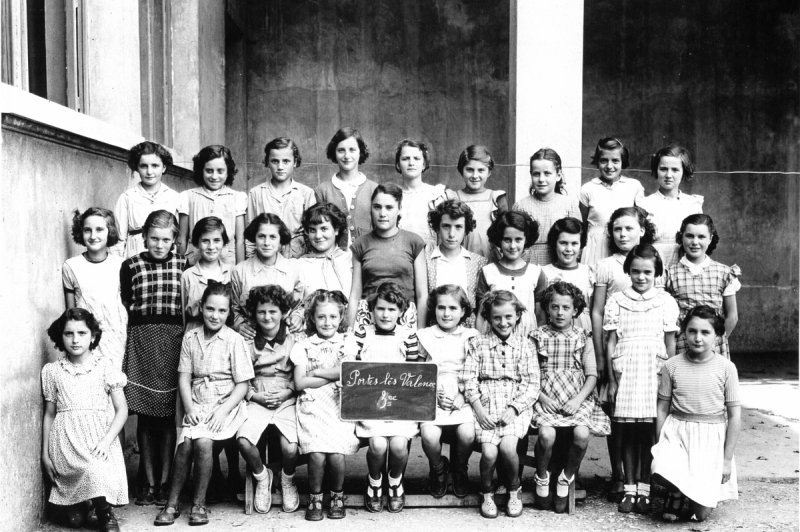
(562, 488)
(396, 483)
(542, 485)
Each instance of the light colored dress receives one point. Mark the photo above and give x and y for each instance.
(486, 207)
(289, 207)
(640, 321)
(193, 284)
(583, 278)
(226, 204)
(546, 213)
(252, 272)
(448, 351)
(416, 206)
(84, 413)
(96, 289)
(667, 214)
(320, 428)
(132, 209)
(602, 200)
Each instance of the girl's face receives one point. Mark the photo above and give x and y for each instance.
(643, 274)
(159, 242)
(627, 233)
(451, 232)
(268, 319)
(215, 173)
(385, 315)
(513, 243)
(268, 241)
(77, 337)
(560, 311)
(700, 336)
(215, 311)
(568, 247)
(211, 245)
(670, 174)
(150, 170)
(95, 233)
(448, 312)
(322, 236)
(327, 318)
(503, 318)
(347, 155)
(475, 174)
(544, 177)
(696, 239)
(610, 164)
(412, 163)
(281, 164)
(384, 212)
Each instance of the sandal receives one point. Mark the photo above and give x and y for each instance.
(672, 508)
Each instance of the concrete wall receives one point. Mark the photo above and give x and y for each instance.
(434, 70)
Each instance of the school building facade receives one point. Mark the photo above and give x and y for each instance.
(84, 80)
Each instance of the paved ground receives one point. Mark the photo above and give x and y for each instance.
(767, 461)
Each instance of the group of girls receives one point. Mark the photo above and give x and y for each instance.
(220, 313)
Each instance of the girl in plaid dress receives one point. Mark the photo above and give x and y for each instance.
(321, 432)
(567, 397)
(641, 323)
(697, 280)
(501, 380)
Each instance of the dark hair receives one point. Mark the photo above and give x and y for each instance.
(390, 292)
(267, 218)
(392, 190)
(272, 294)
(412, 144)
(344, 134)
(610, 144)
(160, 219)
(281, 143)
(326, 212)
(548, 154)
(519, 220)
(569, 225)
(454, 291)
(209, 153)
(478, 153)
(641, 217)
(319, 297)
(673, 150)
(148, 148)
(206, 225)
(454, 209)
(56, 329)
(495, 298)
(111, 223)
(705, 312)
(215, 288)
(563, 288)
(698, 219)
(644, 252)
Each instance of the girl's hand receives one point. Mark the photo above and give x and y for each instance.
(612, 391)
(101, 450)
(508, 417)
(571, 406)
(483, 419)
(191, 417)
(459, 402)
(216, 420)
(445, 403)
(294, 322)
(273, 400)
(311, 373)
(548, 405)
(49, 468)
(247, 331)
(726, 471)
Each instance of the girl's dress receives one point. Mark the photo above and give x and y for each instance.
(546, 213)
(132, 209)
(226, 204)
(602, 199)
(320, 428)
(399, 345)
(501, 373)
(216, 365)
(707, 283)
(566, 358)
(155, 332)
(96, 288)
(252, 272)
(448, 351)
(84, 413)
(486, 207)
(667, 214)
(330, 272)
(193, 284)
(640, 321)
(288, 206)
(462, 271)
(583, 278)
(691, 447)
(416, 206)
(527, 283)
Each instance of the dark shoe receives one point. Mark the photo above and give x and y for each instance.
(438, 482)
(542, 503)
(460, 481)
(147, 496)
(672, 508)
(336, 509)
(396, 502)
(627, 503)
(643, 505)
(373, 500)
(198, 516)
(314, 510)
(561, 504)
(106, 520)
(162, 495)
(74, 516)
(165, 517)
(616, 491)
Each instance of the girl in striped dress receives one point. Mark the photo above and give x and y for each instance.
(641, 323)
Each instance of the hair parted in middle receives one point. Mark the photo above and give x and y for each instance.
(673, 150)
(56, 330)
(520, 221)
(705, 312)
(77, 225)
(342, 135)
(421, 146)
(548, 154)
(454, 291)
(267, 218)
(209, 153)
(322, 296)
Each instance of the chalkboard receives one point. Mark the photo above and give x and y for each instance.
(388, 391)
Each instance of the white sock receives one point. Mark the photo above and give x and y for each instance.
(562, 488)
(397, 483)
(287, 479)
(375, 483)
(630, 489)
(643, 489)
(261, 476)
(542, 485)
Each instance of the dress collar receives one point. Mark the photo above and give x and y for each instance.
(340, 184)
(439, 333)
(82, 369)
(316, 340)
(636, 296)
